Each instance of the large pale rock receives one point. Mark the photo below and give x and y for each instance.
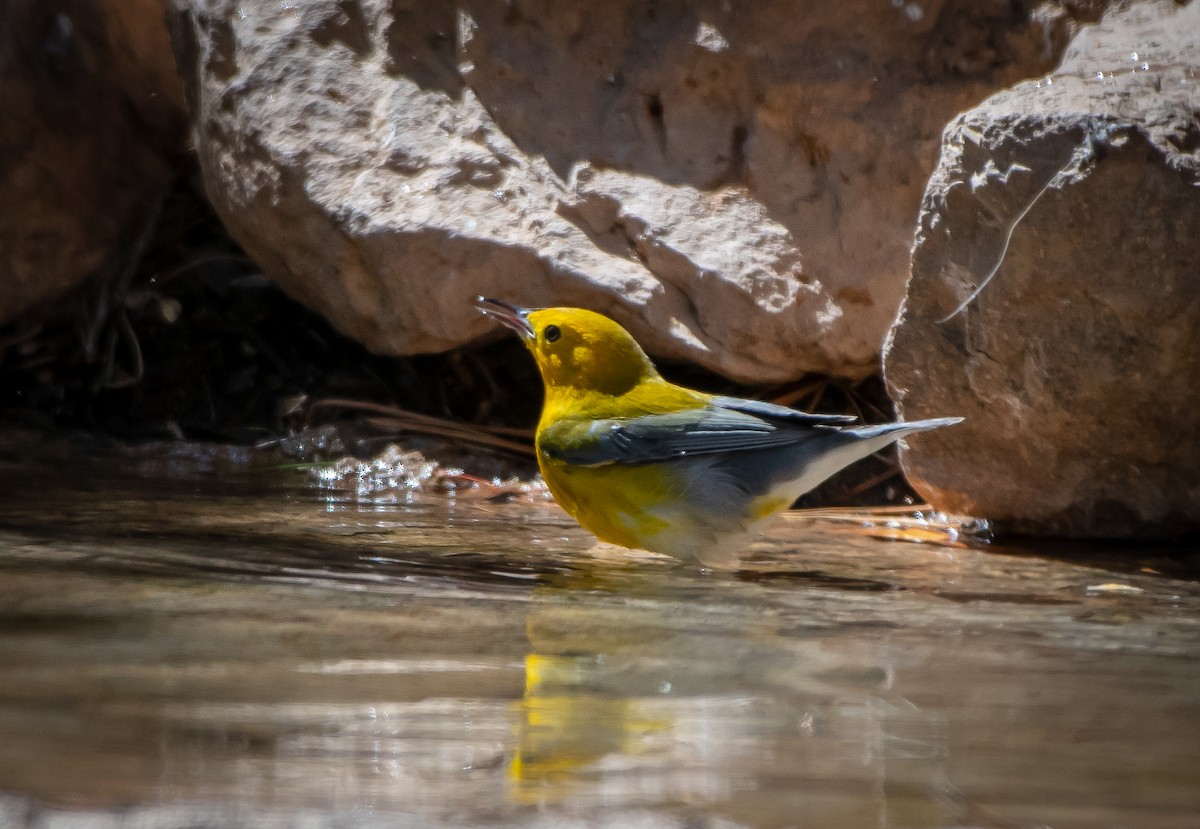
(735, 181)
(1077, 366)
(92, 117)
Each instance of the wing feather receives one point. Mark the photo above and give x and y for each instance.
(726, 425)
(771, 411)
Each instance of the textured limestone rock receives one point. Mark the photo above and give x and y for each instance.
(736, 182)
(1077, 365)
(92, 113)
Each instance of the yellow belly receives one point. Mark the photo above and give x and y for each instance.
(618, 503)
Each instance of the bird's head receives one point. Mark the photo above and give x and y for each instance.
(578, 352)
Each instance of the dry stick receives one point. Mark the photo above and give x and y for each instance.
(112, 293)
(198, 261)
(427, 424)
(1003, 251)
(483, 439)
(1085, 153)
(902, 519)
(135, 349)
(886, 475)
(903, 511)
(790, 398)
(853, 398)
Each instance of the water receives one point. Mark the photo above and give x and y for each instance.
(188, 639)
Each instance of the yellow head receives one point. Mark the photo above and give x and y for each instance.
(578, 352)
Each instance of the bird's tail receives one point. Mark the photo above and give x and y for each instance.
(897, 431)
(854, 442)
(822, 457)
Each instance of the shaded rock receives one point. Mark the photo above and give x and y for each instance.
(93, 114)
(1077, 365)
(144, 66)
(735, 185)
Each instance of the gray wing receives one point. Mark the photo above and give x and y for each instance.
(770, 411)
(715, 428)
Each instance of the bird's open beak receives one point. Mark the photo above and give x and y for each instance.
(515, 318)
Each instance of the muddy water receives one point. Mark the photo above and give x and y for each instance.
(191, 638)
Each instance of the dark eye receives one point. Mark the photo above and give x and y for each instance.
(551, 333)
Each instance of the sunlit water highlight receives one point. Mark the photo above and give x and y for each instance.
(188, 637)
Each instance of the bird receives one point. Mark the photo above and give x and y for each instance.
(646, 464)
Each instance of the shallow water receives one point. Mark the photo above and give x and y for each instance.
(188, 638)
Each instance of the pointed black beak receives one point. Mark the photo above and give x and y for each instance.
(515, 318)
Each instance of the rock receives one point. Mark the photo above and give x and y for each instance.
(735, 185)
(93, 117)
(1077, 365)
(139, 48)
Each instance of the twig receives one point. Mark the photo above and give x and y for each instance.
(871, 483)
(112, 293)
(1097, 135)
(496, 437)
(962, 306)
(790, 398)
(135, 350)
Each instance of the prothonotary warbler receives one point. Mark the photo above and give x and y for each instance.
(644, 463)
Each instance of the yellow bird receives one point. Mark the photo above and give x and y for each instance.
(644, 463)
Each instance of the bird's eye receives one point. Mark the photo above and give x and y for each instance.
(551, 333)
